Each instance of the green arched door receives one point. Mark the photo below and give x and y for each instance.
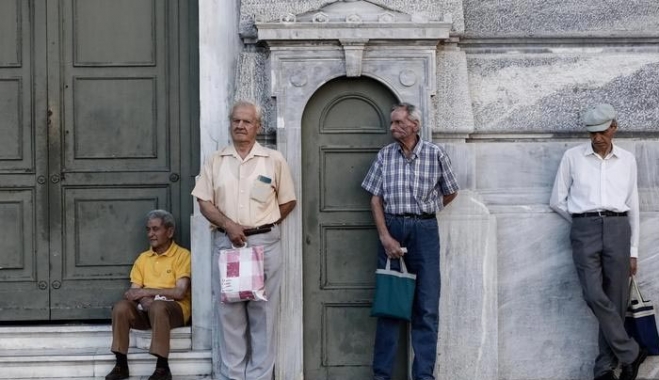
(344, 125)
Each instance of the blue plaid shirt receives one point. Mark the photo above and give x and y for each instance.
(412, 185)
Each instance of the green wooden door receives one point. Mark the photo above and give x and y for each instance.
(344, 125)
(101, 145)
(24, 285)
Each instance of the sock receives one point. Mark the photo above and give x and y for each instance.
(122, 359)
(162, 362)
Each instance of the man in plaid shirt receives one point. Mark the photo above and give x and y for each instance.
(410, 180)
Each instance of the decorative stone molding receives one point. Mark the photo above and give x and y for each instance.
(353, 49)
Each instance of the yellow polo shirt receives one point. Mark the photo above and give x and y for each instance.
(247, 191)
(155, 271)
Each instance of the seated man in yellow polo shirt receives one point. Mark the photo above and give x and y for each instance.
(159, 297)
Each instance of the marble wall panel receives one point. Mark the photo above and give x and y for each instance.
(559, 17)
(517, 165)
(546, 330)
(547, 92)
(468, 305)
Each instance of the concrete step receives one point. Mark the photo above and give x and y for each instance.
(95, 363)
(81, 336)
(83, 352)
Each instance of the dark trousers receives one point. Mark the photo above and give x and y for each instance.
(161, 317)
(600, 249)
(421, 238)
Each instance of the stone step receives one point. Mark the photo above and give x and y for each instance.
(96, 363)
(81, 337)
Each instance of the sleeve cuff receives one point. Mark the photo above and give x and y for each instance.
(633, 252)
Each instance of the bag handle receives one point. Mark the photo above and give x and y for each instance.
(635, 289)
(403, 267)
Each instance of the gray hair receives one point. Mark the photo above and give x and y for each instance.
(413, 112)
(166, 218)
(258, 112)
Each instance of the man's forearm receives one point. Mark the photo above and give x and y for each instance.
(448, 198)
(377, 208)
(285, 209)
(171, 293)
(213, 214)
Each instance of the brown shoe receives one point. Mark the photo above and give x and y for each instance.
(118, 373)
(161, 374)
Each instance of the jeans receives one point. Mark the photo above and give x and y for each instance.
(421, 238)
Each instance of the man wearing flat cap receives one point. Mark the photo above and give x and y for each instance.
(595, 189)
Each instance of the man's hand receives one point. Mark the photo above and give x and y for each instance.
(146, 302)
(134, 294)
(633, 266)
(392, 247)
(236, 234)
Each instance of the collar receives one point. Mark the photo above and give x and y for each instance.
(615, 151)
(416, 151)
(170, 251)
(257, 150)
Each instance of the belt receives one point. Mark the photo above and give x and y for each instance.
(599, 213)
(415, 216)
(254, 230)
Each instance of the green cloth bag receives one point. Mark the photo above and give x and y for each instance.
(394, 292)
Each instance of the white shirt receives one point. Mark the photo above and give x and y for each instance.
(586, 182)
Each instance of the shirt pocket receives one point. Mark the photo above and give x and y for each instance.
(261, 189)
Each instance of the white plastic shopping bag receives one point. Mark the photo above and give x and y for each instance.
(241, 274)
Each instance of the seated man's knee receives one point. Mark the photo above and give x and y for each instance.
(122, 307)
(158, 308)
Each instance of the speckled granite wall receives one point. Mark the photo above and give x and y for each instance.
(546, 92)
(488, 18)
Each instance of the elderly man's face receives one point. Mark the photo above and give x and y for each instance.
(601, 141)
(244, 125)
(402, 128)
(159, 236)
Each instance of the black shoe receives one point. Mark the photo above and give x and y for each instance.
(118, 373)
(607, 376)
(161, 374)
(630, 371)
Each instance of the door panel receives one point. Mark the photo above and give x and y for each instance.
(90, 101)
(344, 126)
(23, 163)
(112, 150)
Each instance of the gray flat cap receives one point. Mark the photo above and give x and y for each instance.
(599, 118)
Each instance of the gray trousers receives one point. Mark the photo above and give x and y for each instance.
(248, 329)
(600, 249)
